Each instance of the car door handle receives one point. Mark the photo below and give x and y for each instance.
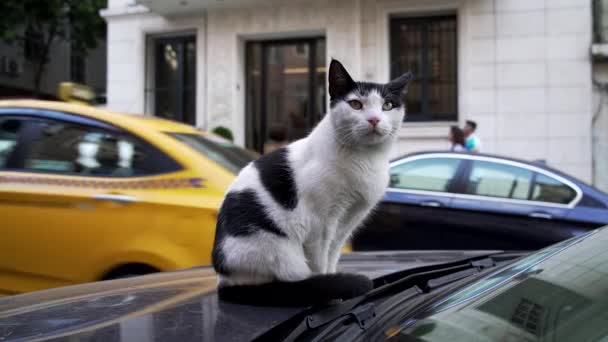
(433, 204)
(116, 198)
(541, 215)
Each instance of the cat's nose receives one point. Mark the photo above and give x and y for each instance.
(373, 121)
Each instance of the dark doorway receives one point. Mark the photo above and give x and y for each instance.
(174, 89)
(285, 91)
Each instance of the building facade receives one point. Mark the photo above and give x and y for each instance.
(521, 69)
(599, 122)
(17, 70)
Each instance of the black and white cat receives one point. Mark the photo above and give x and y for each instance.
(287, 215)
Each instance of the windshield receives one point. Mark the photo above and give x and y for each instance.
(557, 294)
(217, 149)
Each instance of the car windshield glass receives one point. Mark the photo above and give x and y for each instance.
(557, 294)
(217, 149)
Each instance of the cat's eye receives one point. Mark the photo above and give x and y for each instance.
(355, 104)
(387, 106)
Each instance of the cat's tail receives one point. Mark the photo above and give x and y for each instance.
(318, 289)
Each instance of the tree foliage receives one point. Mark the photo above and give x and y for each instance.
(35, 25)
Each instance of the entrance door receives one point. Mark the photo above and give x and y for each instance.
(173, 88)
(285, 91)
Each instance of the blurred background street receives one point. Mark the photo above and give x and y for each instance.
(530, 73)
(511, 95)
(124, 122)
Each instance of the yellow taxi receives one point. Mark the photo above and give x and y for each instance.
(88, 194)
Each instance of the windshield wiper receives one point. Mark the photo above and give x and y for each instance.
(405, 285)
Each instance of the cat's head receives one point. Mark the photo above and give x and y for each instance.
(364, 113)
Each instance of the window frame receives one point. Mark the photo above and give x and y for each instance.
(30, 115)
(463, 174)
(425, 116)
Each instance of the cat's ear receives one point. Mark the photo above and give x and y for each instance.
(399, 84)
(340, 82)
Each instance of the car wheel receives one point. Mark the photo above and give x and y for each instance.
(129, 270)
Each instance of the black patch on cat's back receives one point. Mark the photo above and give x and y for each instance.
(241, 214)
(277, 177)
(218, 259)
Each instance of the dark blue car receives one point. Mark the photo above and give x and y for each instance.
(447, 200)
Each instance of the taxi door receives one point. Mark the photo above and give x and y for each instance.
(72, 188)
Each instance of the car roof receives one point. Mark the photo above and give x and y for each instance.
(487, 155)
(536, 164)
(112, 117)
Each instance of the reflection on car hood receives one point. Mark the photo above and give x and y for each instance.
(172, 306)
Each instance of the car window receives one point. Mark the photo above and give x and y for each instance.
(432, 174)
(63, 147)
(217, 149)
(9, 134)
(555, 294)
(548, 189)
(499, 180)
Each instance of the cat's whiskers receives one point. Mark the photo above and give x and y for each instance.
(345, 135)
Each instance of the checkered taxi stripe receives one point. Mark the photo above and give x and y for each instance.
(164, 183)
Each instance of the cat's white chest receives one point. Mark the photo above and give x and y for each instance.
(372, 183)
(334, 185)
(336, 190)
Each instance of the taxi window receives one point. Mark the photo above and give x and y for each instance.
(221, 151)
(62, 147)
(9, 135)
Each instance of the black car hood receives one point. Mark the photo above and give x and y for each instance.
(172, 306)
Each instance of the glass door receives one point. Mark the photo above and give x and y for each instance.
(285, 91)
(172, 94)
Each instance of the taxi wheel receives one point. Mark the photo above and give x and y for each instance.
(129, 270)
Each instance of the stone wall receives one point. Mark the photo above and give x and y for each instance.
(524, 67)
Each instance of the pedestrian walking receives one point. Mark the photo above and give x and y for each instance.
(456, 138)
(472, 142)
